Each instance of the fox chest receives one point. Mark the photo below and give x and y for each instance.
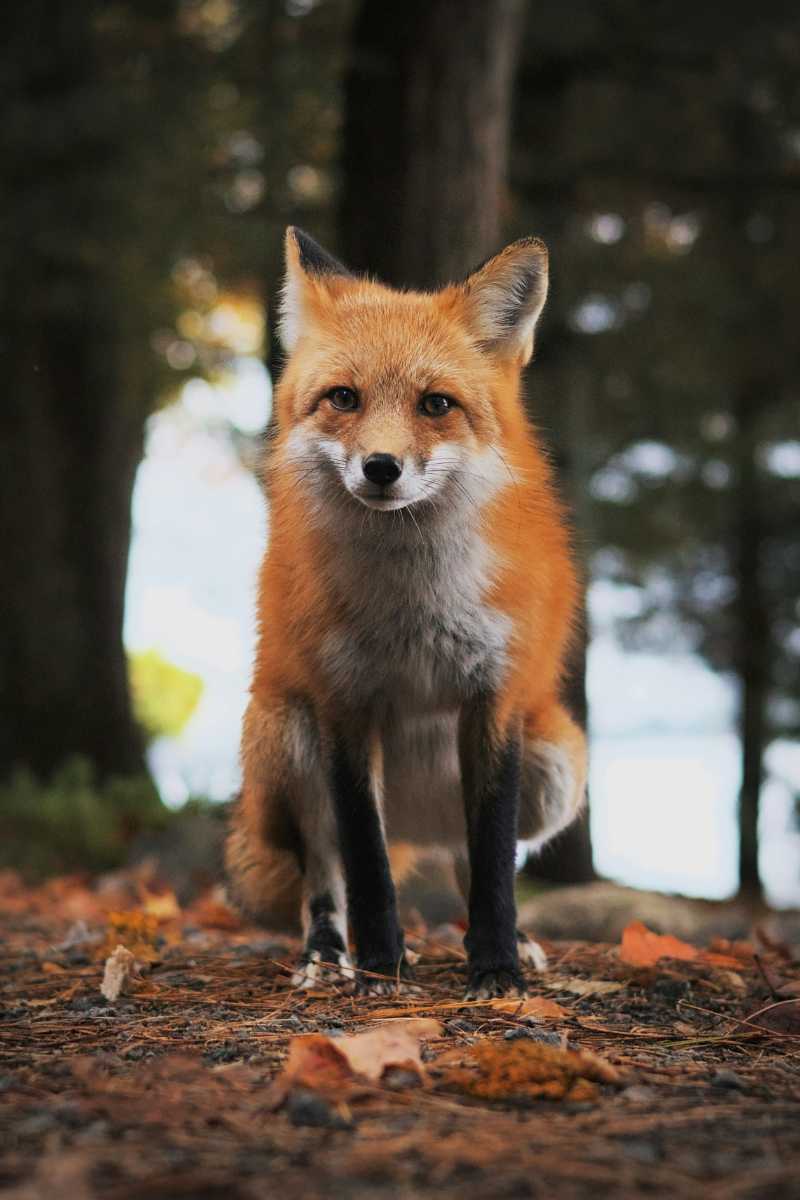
(413, 627)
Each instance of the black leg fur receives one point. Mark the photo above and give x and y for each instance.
(371, 902)
(491, 795)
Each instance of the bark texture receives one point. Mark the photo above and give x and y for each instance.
(427, 115)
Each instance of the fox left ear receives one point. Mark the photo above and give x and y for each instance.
(505, 297)
(308, 269)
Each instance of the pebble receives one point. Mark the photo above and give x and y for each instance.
(306, 1108)
(545, 1036)
(727, 1079)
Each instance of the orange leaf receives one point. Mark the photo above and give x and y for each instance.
(532, 1006)
(720, 960)
(333, 1067)
(643, 948)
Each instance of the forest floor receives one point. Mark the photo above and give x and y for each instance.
(648, 1068)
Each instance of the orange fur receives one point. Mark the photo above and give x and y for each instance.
(393, 347)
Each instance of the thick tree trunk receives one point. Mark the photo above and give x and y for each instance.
(68, 454)
(427, 118)
(428, 100)
(70, 430)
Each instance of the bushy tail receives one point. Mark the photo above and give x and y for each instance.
(263, 881)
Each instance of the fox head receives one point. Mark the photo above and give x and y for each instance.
(397, 398)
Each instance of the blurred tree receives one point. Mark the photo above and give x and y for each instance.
(660, 153)
(426, 127)
(428, 105)
(103, 116)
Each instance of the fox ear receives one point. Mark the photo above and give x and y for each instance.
(505, 297)
(307, 267)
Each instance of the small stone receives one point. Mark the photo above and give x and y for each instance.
(307, 1108)
(546, 1036)
(727, 1079)
(400, 1078)
(638, 1095)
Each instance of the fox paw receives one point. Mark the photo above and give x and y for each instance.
(530, 952)
(313, 969)
(492, 984)
(395, 981)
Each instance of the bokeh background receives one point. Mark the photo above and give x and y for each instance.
(152, 153)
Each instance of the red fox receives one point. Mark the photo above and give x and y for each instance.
(415, 607)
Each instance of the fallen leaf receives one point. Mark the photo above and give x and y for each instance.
(781, 1017)
(719, 960)
(533, 1006)
(211, 913)
(137, 930)
(331, 1065)
(370, 1053)
(734, 981)
(737, 949)
(117, 973)
(642, 948)
(161, 905)
(423, 1028)
(585, 987)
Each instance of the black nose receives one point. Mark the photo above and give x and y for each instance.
(382, 468)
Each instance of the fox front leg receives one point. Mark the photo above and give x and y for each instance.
(371, 900)
(491, 770)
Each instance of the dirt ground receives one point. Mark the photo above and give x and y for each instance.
(616, 1078)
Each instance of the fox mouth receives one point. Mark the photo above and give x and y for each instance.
(382, 499)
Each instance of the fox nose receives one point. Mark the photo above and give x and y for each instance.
(382, 469)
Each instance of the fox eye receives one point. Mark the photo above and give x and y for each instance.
(435, 405)
(343, 398)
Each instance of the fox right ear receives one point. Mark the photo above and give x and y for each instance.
(505, 298)
(308, 268)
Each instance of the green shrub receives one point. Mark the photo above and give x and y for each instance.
(73, 822)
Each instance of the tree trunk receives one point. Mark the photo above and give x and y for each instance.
(70, 432)
(427, 115)
(427, 118)
(68, 454)
(752, 649)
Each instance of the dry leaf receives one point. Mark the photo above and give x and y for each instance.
(161, 905)
(533, 1006)
(781, 1017)
(585, 987)
(643, 948)
(117, 974)
(719, 960)
(137, 930)
(327, 1065)
(423, 1028)
(734, 981)
(370, 1053)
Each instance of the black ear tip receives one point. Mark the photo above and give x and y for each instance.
(313, 259)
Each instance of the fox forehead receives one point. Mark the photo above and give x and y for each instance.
(371, 337)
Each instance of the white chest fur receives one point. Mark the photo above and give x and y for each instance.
(415, 630)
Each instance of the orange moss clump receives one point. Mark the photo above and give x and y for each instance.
(528, 1070)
